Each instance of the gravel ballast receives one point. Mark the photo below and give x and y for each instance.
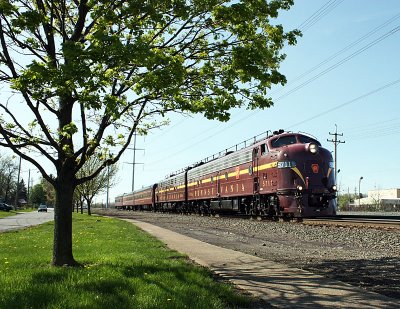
(364, 257)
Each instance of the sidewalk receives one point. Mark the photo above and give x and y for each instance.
(276, 284)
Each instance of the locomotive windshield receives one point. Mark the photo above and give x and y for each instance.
(283, 141)
(306, 139)
(291, 139)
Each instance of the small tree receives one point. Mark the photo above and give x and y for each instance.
(38, 195)
(22, 191)
(343, 201)
(100, 183)
(8, 172)
(377, 200)
(49, 191)
(78, 201)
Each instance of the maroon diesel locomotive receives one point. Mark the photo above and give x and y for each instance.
(282, 175)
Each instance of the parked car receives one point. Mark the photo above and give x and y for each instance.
(5, 207)
(42, 208)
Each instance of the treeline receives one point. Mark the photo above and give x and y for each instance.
(44, 193)
(8, 181)
(27, 196)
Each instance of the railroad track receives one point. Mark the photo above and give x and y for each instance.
(359, 221)
(371, 221)
(387, 222)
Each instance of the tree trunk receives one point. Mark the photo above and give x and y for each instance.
(89, 204)
(62, 250)
(64, 186)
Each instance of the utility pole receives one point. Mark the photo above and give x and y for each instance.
(134, 160)
(336, 142)
(16, 194)
(108, 184)
(29, 179)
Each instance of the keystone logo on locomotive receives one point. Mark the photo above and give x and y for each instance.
(315, 168)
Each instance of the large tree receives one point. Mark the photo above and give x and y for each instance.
(85, 75)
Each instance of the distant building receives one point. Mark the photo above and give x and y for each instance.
(383, 198)
(22, 202)
(385, 194)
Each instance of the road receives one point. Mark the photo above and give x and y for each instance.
(26, 219)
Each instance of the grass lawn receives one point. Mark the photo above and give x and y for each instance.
(4, 214)
(122, 268)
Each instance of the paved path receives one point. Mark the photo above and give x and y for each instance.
(276, 284)
(25, 219)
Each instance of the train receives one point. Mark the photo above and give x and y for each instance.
(281, 175)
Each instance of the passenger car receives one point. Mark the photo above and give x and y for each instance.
(42, 208)
(5, 207)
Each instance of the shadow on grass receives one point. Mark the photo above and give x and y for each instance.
(47, 277)
(108, 285)
(35, 295)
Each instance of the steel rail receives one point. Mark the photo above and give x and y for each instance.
(374, 221)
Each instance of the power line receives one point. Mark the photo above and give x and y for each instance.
(338, 53)
(378, 124)
(319, 14)
(344, 60)
(158, 136)
(374, 130)
(348, 102)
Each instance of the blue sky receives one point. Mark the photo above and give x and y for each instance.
(355, 45)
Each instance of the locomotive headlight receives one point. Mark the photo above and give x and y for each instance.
(313, 148)
(334, 188)
(286, 164)
(300, 188)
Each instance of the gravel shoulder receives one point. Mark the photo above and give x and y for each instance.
(364, 257)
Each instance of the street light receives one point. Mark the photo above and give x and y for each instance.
(359, 190)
